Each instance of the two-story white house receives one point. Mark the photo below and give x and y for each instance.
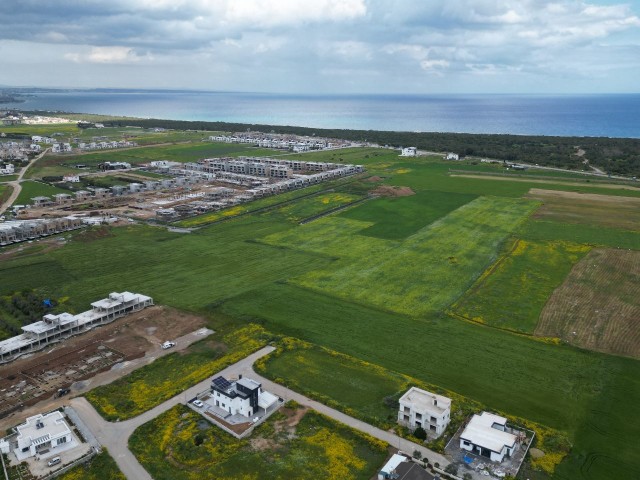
(242, 397)
(486, 435)
(419, 408)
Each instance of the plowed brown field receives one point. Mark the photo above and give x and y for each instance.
(598, 305)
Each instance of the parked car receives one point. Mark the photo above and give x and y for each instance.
(53, 461)
(198, 403)
(166, 345)
(62, 392)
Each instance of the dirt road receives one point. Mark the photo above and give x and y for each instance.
(17, 188)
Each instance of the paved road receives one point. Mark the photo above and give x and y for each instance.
(391, 438)
(15, 184)
(115, 436)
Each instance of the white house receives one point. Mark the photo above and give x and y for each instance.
(419, 408)
(42, 432)
(486, 435)
(7, 169)
(242, 397)
(409, 152)
(452, 156)
(71, 178)
(399, 467)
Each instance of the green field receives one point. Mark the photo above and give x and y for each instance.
(101, 467)
(180, 444)
(420, 275)
(512, 293)
(32, 189)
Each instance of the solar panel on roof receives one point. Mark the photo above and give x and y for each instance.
(221, 382)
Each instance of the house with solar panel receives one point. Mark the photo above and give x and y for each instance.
(243, 397)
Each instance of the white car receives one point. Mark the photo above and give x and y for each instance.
(166, 345)
(198, 403)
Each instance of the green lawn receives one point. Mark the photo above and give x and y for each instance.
(512, 292)
(180, 445)
(32, 189)
(422, 274)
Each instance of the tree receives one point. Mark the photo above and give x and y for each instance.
(467, 476)
(420, 433)
(417, 455)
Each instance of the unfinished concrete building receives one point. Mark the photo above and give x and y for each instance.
(54, 328)
(22, 230)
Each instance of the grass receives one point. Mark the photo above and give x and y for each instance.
(397, 218)
(32, 189)
(180, 445)
(513, 291)
(8, 178)
(168, 376)
(370, 392)
(550, 384)
(537, 230)
(101, 467)
(5, 192)
(424, 273)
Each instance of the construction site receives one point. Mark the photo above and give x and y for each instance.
(71, 365)
(187, 189)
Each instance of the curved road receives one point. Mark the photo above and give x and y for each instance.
(115, 436)
(15, 184)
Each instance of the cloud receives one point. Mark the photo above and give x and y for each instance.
(106, 55)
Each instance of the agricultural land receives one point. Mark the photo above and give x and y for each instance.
(517, 295)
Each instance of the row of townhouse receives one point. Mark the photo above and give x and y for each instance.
(21, 230)
(41, 139)
(53, 328)
(105, 145)
(14, 150)
(283, 142)
(61, 148)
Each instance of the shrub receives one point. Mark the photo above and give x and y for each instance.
(452, 468)
(420, 433)
(417, 455)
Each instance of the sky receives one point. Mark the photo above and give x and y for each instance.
(324, 46)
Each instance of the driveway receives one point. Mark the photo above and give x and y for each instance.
(17, 188)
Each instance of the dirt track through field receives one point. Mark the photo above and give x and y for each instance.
(598, 305)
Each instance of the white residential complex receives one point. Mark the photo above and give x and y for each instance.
(53, 328)
(419, 408)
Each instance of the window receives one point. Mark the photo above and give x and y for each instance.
(465, 443)
(434, 419)
(406, 410)
(62, 440)
(418, 416)
(406, 418)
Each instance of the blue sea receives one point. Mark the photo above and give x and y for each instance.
(562, 115)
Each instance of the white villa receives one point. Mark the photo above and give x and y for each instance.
(409, 152)
(452, 156)
(419, 408)
(486, 435)
(40, 435)
(242, 397)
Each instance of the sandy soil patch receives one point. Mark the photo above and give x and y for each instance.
(391, 191)
(375, 178)
(598, 305)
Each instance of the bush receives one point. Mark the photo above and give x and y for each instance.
(420, 433)
(467, 476)
(452, 468)
(417, 455)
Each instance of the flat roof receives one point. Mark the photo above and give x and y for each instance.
(426, 401)
(480, 432)
(53, 425)
(393, 463)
